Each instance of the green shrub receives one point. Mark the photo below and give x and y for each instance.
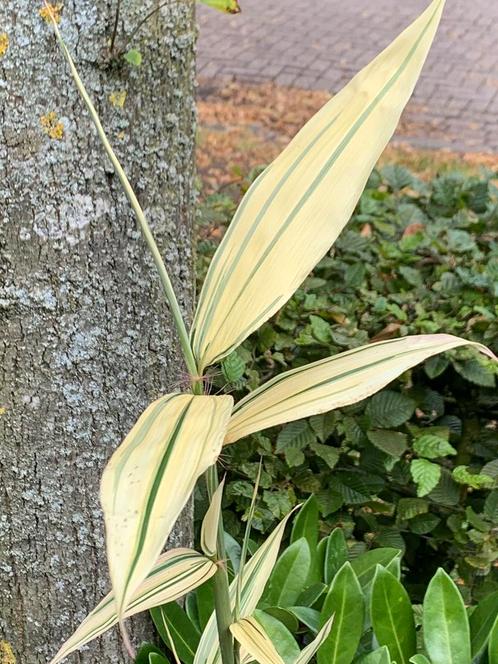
(416, 465)
(374, 620)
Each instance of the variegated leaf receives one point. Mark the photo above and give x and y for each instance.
(255, 641)
(150, 477)
(257, 645)
(296, 209)
(335, 382)
(176, 573)
(254, 577)
(210, 523)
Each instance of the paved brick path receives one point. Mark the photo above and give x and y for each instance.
(320, 44)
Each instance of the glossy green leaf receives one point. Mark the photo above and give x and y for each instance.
(147, 650)
(346, 603)
(205, 602)
(156, 658)
(445, 623)
(306, 524)
(336, 554)
(379, 656)
(419, 659)
(254, 579)
(289, 575)
(493, 645)
(307, 616)
(365, 565)
(285, 616)
(481, 622)
(392, 616)
(183, 632)
(285, 644)
(191, 609)
(311, 595)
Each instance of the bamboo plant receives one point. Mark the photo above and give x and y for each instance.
(287, 221)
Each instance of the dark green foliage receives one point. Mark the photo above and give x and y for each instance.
(415, 465)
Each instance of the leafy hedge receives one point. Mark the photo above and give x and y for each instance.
(416, 465)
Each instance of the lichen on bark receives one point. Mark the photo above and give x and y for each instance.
(85, 338)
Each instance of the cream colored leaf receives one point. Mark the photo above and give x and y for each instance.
(150, 477)
(254, 577)
(176, 573)
(209, 529)
(310, 650)
(295, 210)
(257, 645)
(255, 641)
(335, 382)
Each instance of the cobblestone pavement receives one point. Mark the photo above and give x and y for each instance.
(321, 44)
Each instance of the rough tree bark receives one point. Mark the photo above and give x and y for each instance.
(85, 339)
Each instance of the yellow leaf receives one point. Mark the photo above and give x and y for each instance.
(118, 98)
(4, 44)
(176, 573)
(335, 382)
(226, 6)
(296, 209)
(150, 477)
(51, 12)
(209, 530)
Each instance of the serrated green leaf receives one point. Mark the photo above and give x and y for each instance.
(424, 523)
(436, 365)
(475, 372)
(389, 409)
(410, 507)
(433, 447)
(425, 474)
(233, 367)
(393, 443)
(491, 507)
(323, 425)
(462, 475)
(321, 329)
(326, 452)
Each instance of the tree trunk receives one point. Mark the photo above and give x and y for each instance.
(86, 340)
